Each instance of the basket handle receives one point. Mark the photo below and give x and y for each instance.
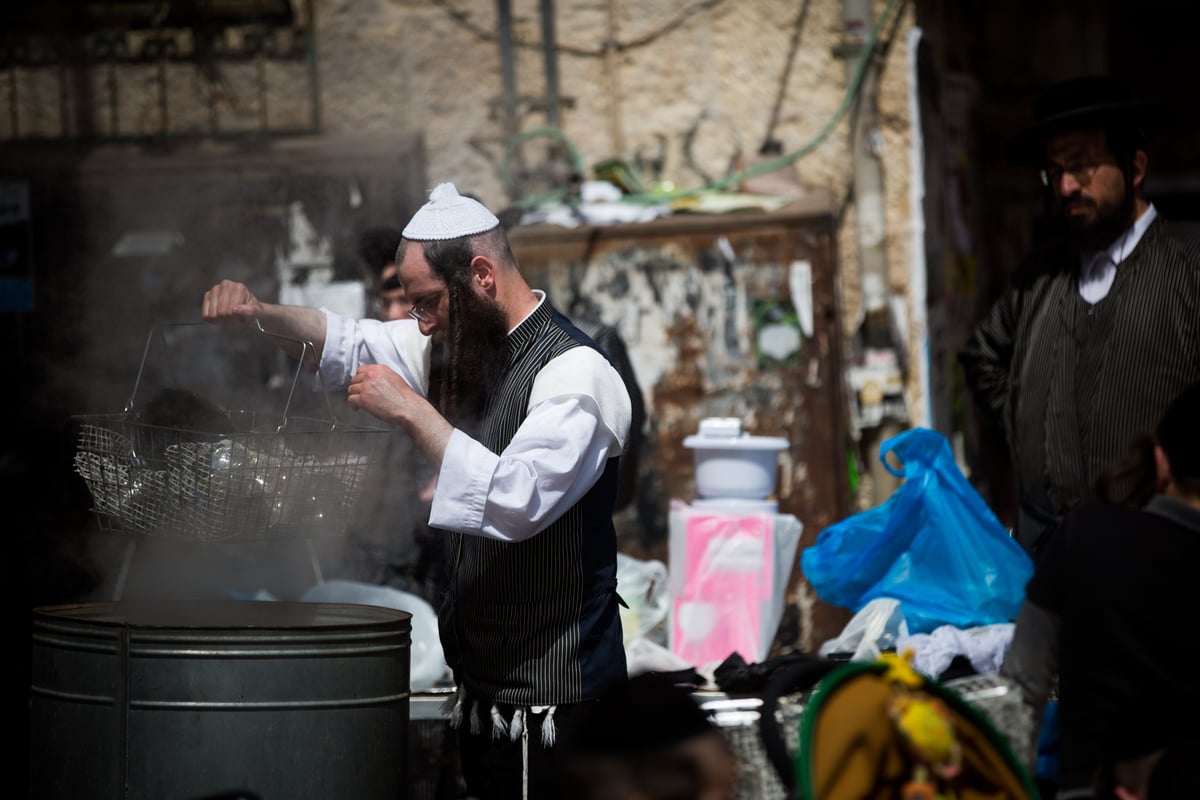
(306, 348)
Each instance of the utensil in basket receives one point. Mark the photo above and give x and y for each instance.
(257, 477)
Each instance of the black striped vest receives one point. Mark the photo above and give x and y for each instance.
(536, 622)
(1082, 388)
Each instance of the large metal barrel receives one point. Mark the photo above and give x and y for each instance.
(180, 700)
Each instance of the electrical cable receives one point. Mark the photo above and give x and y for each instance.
(868, 51)
(793, 46)
(852, 89)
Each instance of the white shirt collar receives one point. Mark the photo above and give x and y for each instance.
(1098, 270)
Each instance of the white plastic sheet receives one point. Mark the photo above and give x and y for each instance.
(428, 662)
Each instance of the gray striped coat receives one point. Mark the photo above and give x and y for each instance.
(1073, 383)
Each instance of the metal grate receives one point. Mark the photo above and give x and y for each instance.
(302, 481)
(139, 71)
(995, 697)
(738, 719)
(219, 476)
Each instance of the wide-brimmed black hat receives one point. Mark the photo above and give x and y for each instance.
(1095, 101)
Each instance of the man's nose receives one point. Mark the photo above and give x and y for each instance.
(426, 326)
(1068, 184)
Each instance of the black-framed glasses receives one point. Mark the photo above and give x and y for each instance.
(422, 311)
(1081, 168)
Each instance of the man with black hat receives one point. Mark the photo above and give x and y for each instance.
(1101, 326)
(526, 442)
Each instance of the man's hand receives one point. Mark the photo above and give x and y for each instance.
(230, 301)
(382, 393)
(292, 327)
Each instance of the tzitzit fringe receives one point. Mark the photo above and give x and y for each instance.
(454, 706)
(499, 726)
(516, 730)
(548, 732)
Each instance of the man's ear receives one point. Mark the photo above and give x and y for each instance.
(1162, 470)
(1138, 167)
(483, 273)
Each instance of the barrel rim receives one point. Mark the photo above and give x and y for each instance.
(224, 614)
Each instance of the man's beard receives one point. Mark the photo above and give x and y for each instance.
(476, 358)
(1110, 221)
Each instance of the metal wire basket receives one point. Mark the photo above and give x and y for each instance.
(265, 477)
(995, 697)
(1001, 701)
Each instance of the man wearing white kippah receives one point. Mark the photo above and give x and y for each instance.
(526, 442)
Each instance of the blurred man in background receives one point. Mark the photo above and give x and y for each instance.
(377, 252)
(391, 545)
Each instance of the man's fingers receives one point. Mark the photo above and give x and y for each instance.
(227, 299)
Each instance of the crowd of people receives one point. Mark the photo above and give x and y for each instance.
(512, 422)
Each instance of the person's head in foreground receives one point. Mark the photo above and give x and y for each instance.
(648, 739)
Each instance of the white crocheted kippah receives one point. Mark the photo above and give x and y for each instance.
(449, 215)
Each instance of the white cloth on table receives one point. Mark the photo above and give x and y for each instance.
(984, 646)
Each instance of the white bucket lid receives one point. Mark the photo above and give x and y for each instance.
(725, 433)
(742, 442)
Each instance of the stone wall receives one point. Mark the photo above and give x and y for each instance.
(411, 93)
(699, 85)
(684, 93)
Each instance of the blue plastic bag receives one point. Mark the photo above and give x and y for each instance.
(934, 545)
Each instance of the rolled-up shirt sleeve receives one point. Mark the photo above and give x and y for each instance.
(350, 343)
(578, 418)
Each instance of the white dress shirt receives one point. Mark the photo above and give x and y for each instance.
(578, 417)
(1098, 270)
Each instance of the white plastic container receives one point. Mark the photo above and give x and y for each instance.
(731, 464)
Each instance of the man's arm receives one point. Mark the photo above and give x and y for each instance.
(381, 391)
(987, 358)
(1033, 657)
(1032, 663)
(578, 420)
(378, 369)
(229, 301)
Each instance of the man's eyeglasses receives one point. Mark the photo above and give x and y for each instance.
(1081, 169)
(422, 311)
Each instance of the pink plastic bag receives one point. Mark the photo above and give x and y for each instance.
(727, 588)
